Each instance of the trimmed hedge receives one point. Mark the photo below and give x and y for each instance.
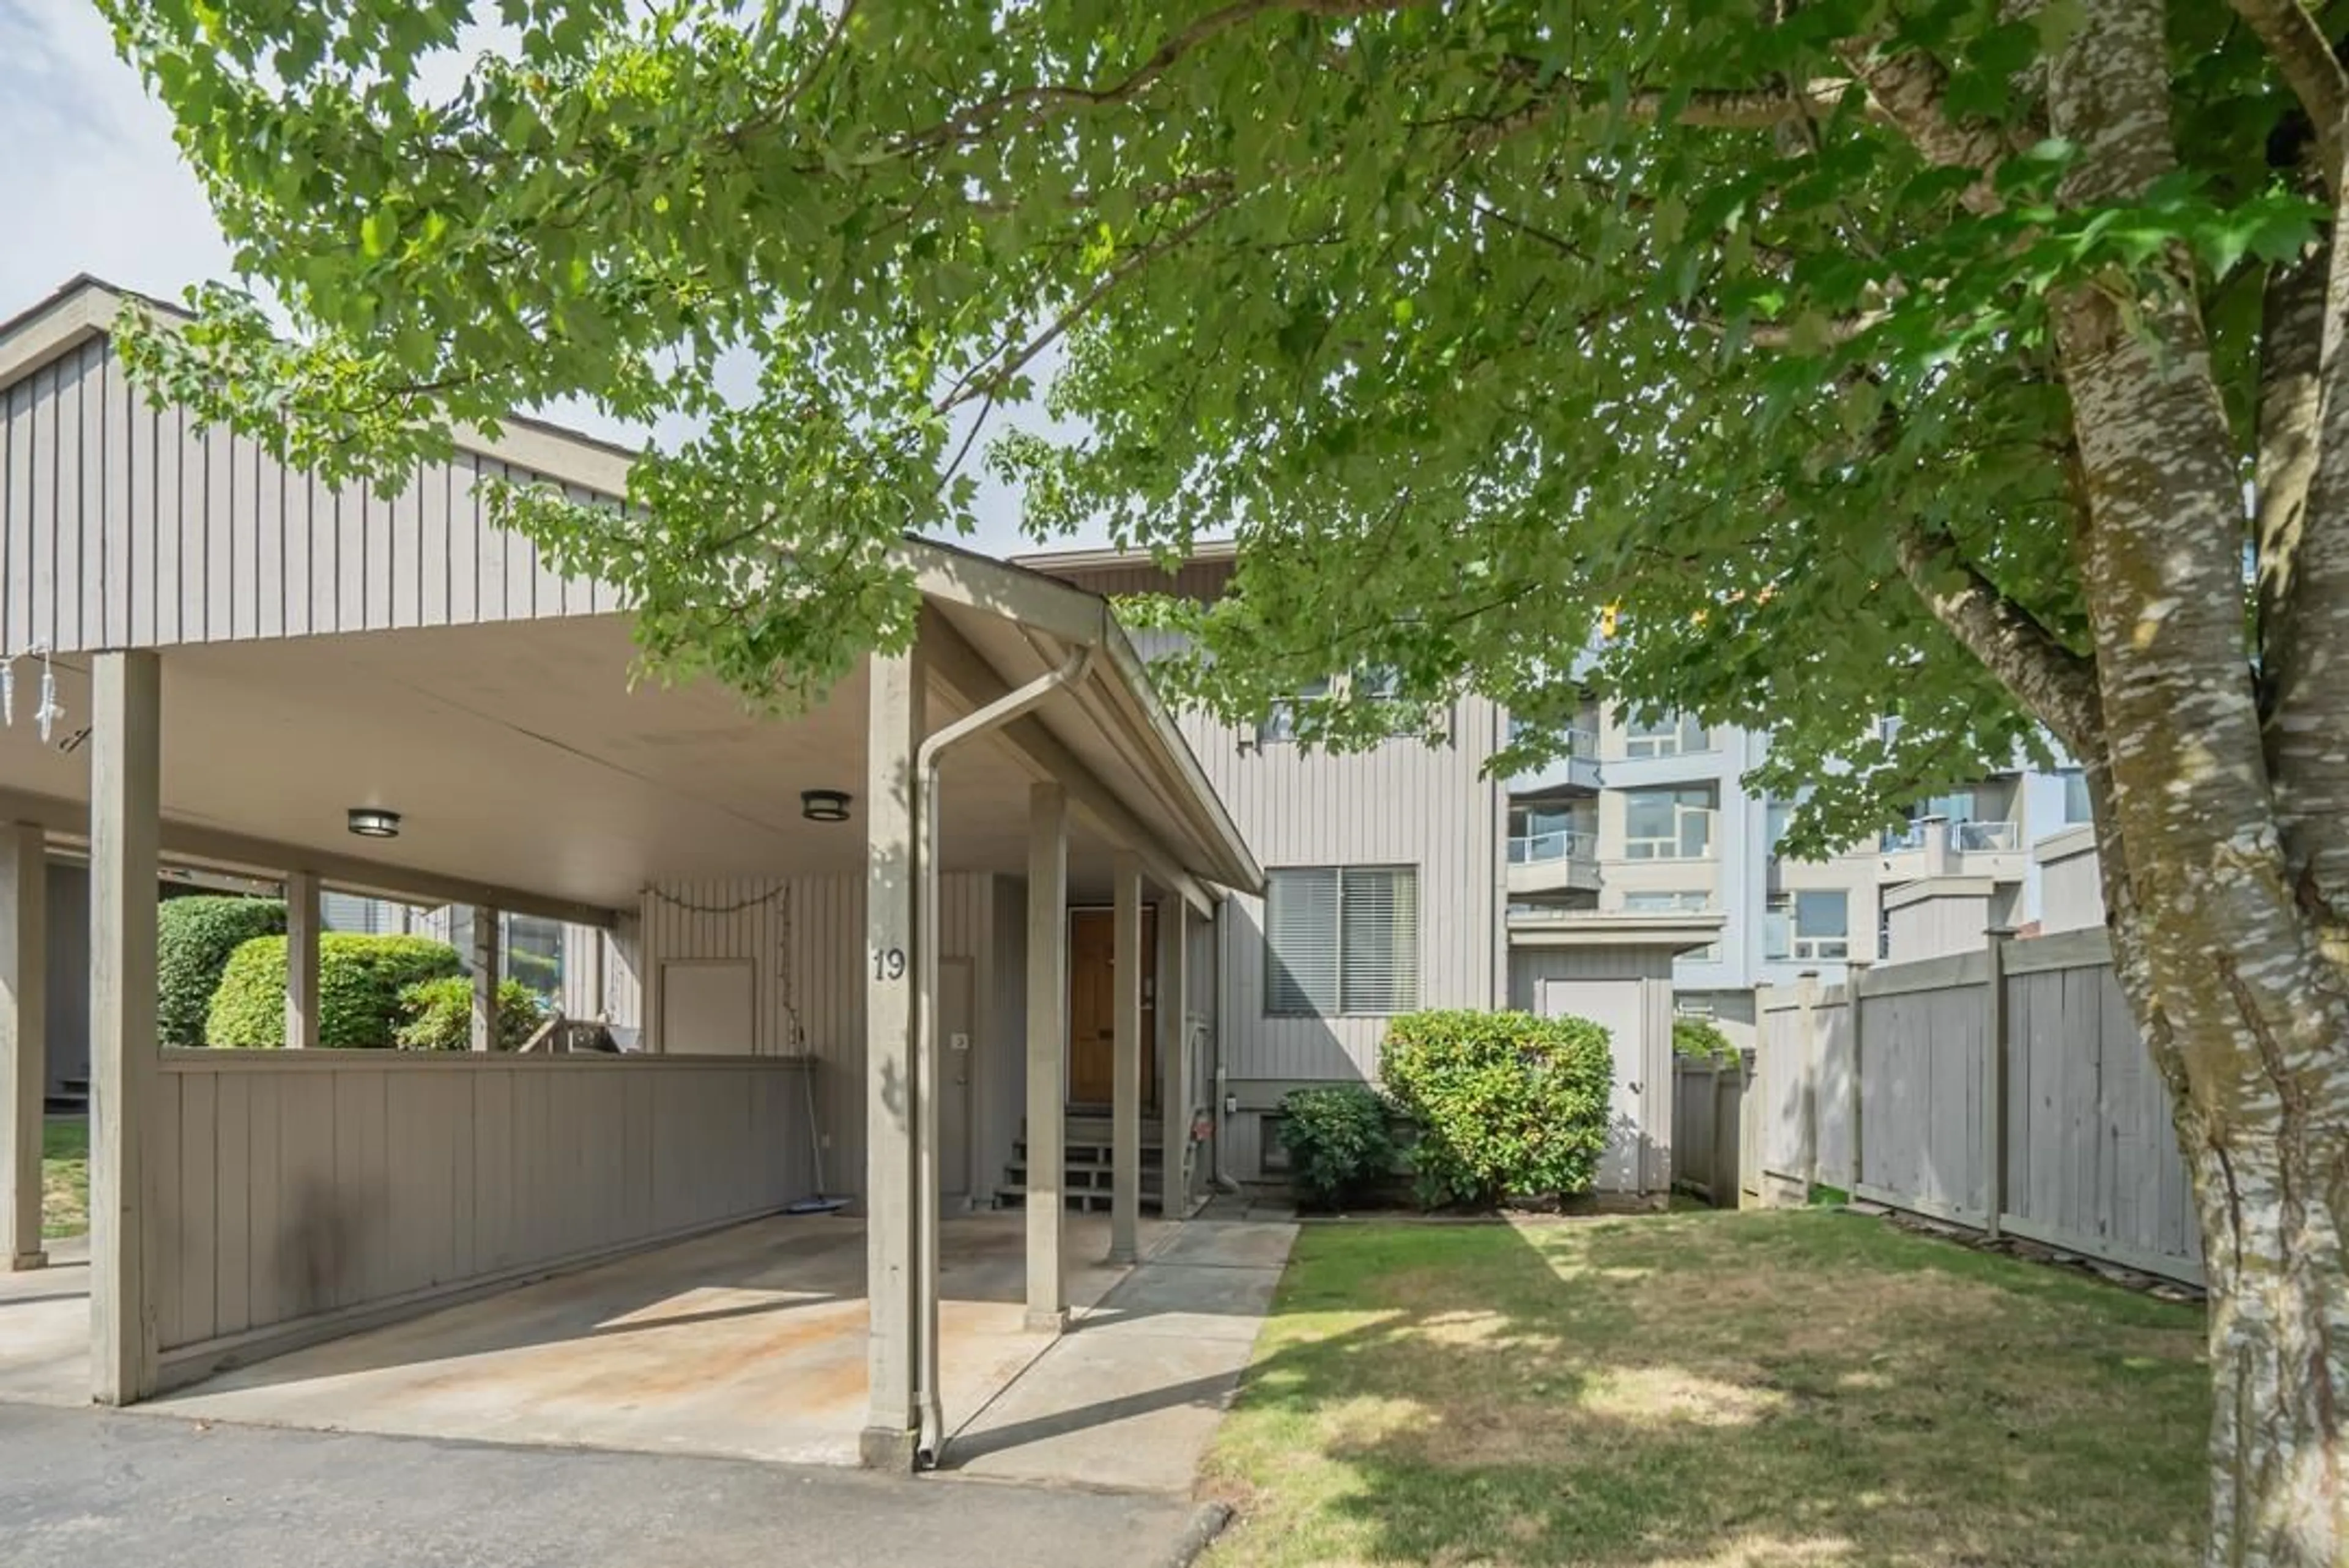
(360, 979)
(1337, 1139)
(438, 1014)
(1509, 1105)
(194, 936)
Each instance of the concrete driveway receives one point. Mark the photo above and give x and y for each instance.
(83, 1487)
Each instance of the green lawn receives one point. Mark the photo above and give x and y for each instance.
(64, 1178)
(1708, 1390)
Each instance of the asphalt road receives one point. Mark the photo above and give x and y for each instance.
(79, 1488)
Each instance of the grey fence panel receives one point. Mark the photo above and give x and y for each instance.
(305, 1188)
(2067, 1142)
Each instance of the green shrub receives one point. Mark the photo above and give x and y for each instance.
(359, 982)
(1337, 1139)
(1701, 1039)
(1507, 1104)
(194, 936)
(438, 1014)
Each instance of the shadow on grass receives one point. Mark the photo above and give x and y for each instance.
(1717, 1389)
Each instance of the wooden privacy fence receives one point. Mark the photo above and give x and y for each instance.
(2004, 1089)
(1715, 1153)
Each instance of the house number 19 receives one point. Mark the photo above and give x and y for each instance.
(889, 964)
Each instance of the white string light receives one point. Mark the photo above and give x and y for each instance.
(50, 710)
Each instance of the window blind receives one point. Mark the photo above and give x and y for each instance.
(1341, 940)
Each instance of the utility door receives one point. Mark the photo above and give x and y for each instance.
(1093, 1006)
(1616, 1007)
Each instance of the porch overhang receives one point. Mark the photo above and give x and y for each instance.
(1680, 932)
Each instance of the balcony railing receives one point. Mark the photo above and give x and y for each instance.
(1558, 844)
(1959, 836)
(1983, 835)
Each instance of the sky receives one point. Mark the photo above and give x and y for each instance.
(92, 183)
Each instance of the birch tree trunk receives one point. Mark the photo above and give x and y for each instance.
(2221, 905)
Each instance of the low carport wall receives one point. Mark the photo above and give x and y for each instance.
(301, 1195)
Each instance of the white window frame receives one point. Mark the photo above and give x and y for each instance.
(1645, 848)
(1407, 984)
(1801, 949)
(1684, 738)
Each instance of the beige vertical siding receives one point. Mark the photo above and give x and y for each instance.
(122, 525)
(805, 938)
(300, 1189)
(1404, 804)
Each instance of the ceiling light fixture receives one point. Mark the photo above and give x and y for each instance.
(825, 805)
(374, 822)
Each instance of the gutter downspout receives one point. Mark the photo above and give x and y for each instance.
(1011, 706)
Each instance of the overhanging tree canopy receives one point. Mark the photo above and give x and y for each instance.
(1966, 362)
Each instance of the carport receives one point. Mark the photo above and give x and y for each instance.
(248, 659)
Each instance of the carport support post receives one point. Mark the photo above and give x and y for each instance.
(24, 1040)
(125, 796)
(1048, 1037)
(486, 966)
(302, 961)
(1125, 1077)
(1173, 1060)
(892, 1216)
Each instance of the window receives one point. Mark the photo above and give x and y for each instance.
(1545, 833)
(1668, 824)
(1279, 722)
(1341, 940)
(1667, 735)
(1693, 902)
(2075, 798)
(1813, 925)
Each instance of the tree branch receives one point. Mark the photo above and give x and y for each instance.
(975, 120)
(2054, 683)
(2290, 409)
(2306, 58)
(1712, 109)
(1910, 90)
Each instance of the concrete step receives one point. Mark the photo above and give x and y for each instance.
(1013, 1196)
(1094, 1154)
(1094, 1129)
(1079, 1178)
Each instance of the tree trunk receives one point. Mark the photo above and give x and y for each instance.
(2279, 1337)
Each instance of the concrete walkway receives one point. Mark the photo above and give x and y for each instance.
(44, 1328)
(85, 1487)
(1131, 1395)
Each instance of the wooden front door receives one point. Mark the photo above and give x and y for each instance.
(1093, 1006)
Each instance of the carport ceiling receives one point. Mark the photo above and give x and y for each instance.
(517, 755)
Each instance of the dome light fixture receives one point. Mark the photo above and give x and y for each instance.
(825, 805)
(374, 822)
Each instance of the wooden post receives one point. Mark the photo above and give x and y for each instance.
(486, 965)
(125, 824)
(1994, 1080)
(24, 1040)
(1174, 1060)
(1125, 1078)
(891, 1434)
(1806, 1005)
(302, 922)
(1048, 1037)
(1855, 980)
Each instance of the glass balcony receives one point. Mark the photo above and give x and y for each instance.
(1558, 844)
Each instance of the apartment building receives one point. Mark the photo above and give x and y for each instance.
(1655, 816)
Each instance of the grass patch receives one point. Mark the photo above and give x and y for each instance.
(1709, 1391)
(65, 1177)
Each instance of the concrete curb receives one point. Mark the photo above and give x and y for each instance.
(1208, 1521)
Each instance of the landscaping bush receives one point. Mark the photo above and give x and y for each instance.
(1509, 1105)
(438, 1014)
(1702, 1040)
(539, 973)
(193, 939)
(360, 979)
(1337, 1140)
